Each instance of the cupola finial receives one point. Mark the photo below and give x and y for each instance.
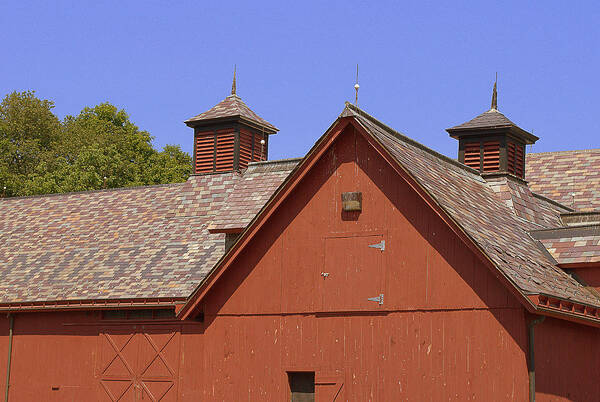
(233, 85)
(495, 95)
(356, 87)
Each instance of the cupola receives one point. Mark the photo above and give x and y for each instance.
(491, 143)
(229, 136)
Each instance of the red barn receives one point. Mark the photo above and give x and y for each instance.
(372, 269)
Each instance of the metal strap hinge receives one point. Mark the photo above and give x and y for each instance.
(380, 245)
(378, 299)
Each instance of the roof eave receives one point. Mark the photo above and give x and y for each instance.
(267, 129)
(457, 132)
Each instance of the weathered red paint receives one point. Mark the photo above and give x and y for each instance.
(448, 327)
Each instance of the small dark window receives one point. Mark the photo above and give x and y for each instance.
(230, 239)
(140, 314)
(302, 386)
(145, 314)
(114, 315)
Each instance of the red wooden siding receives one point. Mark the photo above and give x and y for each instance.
(472, 155)
(491, 156)
(205, 146)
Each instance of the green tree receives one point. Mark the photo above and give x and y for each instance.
(100, 147)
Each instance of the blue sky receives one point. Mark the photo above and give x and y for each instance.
(424, 66)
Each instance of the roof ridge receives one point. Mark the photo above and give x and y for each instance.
(566, 228)
(400, 136)
(565, 151)
(550, 200)
(276, 161)
(92, 191)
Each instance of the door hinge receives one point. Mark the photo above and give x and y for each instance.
(378, 299)
(380, 245)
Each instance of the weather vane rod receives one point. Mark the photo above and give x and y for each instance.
(356, 87)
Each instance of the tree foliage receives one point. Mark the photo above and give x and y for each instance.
(98, 148)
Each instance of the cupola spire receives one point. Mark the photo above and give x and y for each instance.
(495, 95)
(234, 85)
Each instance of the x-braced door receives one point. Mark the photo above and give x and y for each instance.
(138, 363)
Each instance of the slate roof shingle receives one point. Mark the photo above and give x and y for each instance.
(251, 193)
(139, 243)
(125, 243)
(517, 196)
(572, 245)
(569, 177)
(491, 120)
(232, 106)
(488, 119)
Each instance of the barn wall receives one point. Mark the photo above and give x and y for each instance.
(46, 354)
(447, 328)
(566, 357)
(72, 356)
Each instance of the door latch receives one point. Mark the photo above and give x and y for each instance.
(380, 245)
(378, 299)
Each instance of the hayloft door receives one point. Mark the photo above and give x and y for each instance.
(352, 274)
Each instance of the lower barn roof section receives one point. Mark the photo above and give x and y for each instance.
(571, 245)
(131, 243)
(569, 177)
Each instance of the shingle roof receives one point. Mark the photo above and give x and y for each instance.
(489, 119)
(128, 243)
(569, 177)
(517, 196)
(573, 245)
(232, 106)
(251, 192)
(470, 201)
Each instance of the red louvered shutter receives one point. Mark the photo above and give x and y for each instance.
(510, 157)
(205, 146)
(225, 150)
(245, 149)
(519, 161)
(491, 156)
(472, 155)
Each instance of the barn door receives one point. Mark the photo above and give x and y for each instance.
(138, 363)
(352, 275)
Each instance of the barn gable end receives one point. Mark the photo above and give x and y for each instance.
(291, 295)
(424, 264)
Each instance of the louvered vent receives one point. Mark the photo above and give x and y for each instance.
(472, 155)
(205, 149)
(515, 159)
(245, 149)
(225, 150)
(520, 161)
(491, 156)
